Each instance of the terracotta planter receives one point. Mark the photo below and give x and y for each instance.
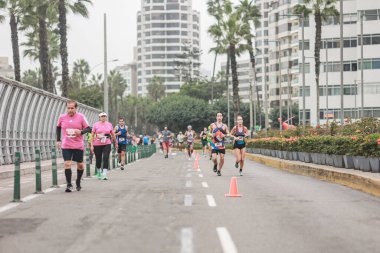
(348, 162)
(374, 162)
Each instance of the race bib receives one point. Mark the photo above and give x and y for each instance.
(103, 140)
(219, 144)
(70, 133)
(121, 139)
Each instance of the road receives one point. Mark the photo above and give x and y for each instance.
(165, 205)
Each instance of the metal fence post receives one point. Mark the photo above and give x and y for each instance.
(38, 172)
(54, 168)
(88, 168)
(16, 185)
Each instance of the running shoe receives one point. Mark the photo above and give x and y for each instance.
(218, 173)
(69, 188)
(78, 186)
(122, 167)
(105, 178)
(241, 172)
(215, 167)
(210, 157)
(236, 165)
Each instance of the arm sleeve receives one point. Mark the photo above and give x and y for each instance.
(59, 133)
(86, 130)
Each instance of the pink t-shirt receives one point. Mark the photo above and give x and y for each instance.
(101, 129)
(69, 124)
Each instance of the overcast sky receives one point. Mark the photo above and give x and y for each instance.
(85, 37)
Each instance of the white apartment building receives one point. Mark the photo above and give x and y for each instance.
(280, 32)
(129, 73)
(165, 28)
(6, 69)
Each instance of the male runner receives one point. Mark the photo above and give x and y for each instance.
(73, 125)
(122, 135)
(190, 135)
(203, 136)
(166, 136)
(219, 131)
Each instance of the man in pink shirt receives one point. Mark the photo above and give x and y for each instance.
(72, 125)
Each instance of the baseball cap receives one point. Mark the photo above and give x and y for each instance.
(102, 114)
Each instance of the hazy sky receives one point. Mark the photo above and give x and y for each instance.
(85, 38)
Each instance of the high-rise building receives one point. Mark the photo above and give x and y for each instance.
(129, 72)
(6, 69)
(166, 29)
(279, 41)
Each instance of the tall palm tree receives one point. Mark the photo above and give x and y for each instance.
(81, 70)
(251, 17)
(64, 6)
(14, 8)
(322, 10)
(231, 31)
(117, 86)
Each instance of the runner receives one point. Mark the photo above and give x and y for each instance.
(73, 125)
(180, 138)
(101, 144)
(204, 140)
(239, 132)
(166, 137)
(190, 135)
(121, 132)
(219, 131)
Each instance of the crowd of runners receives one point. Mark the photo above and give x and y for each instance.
(73, 125)
(213, 139)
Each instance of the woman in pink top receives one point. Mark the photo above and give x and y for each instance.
(102, 131)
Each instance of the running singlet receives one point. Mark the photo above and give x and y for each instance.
(190, 136)
(240, 134)
(218, 139)
(204, 136)
(180, 138)
(122, 139)
(166, 135)
(69, 124)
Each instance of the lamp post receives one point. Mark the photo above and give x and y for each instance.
(105, 98)
(341, 65)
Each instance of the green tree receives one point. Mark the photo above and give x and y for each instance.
(322, 10)
(14, 9)
(156, 89)
(229, 30)
(81, 70)
(90, 95)
(76, 7)
(32, 77)
(202, 89)
(178, 111)
(117, 85)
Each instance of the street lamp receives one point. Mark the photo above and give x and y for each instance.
(101, 63)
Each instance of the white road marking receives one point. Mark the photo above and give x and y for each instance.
(204, 185)
(189, 184)
(186, 240)
(8, 206)
(30, 197)
(211, 200)
(225, 239)
(188, 200)
(200, 175)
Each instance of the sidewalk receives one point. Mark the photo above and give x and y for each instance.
(7, 171)
(364, 181)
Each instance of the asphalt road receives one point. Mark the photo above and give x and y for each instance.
(165, 205)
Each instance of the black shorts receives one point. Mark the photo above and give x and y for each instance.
(204, 143)
(190, 144)
(121, 147)
(75, 155)
(218, 151)
(239, 146)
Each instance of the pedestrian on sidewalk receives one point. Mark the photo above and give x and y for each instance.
(102, 132)
(71, 126)
(239, 133)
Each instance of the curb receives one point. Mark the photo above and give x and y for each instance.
(350, 179)
(28, 170)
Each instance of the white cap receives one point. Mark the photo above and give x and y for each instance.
(102, 114)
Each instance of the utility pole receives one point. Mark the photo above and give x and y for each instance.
(105, 106)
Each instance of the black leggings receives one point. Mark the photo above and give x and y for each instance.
(102, 152)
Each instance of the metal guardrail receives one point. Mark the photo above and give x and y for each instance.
(28, 117)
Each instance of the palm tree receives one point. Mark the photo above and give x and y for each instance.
(64, 6)
(322, 10)
(81, 70)
(117, 86)
(14, 8)
(250, 16)
(231, 31)
(156, 89)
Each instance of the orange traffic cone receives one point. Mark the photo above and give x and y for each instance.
(233, 189)
(196, 164)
